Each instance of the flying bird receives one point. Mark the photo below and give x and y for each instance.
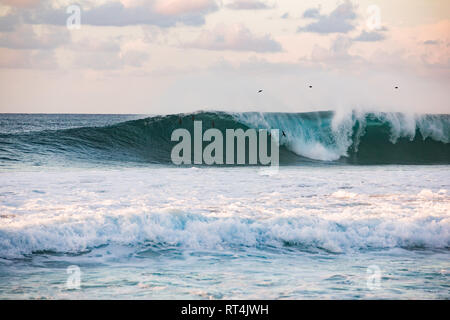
(396, 87)
(260, 90)
(310, 86)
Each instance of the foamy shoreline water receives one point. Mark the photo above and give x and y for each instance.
(116, 223)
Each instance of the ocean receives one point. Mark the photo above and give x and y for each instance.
(92, 207)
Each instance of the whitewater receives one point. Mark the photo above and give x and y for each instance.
(356, 193)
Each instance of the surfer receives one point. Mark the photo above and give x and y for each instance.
(212, 123)
(284, 134)
(179, 121)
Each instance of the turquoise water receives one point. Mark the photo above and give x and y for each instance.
(316, 137)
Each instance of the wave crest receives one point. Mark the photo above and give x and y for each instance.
(347, 137)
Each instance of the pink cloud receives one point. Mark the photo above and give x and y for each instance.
(176, 7)
(237, 38)
(21, 3)
(24, 59)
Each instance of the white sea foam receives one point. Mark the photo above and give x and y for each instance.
(332, 141)
(314, 208)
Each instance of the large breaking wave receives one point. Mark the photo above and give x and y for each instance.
(351, 137)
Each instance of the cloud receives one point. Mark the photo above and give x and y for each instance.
(173, 7)
(14, 59)
(159, 13)
(336, 57)
(108, 54)
(180, 7)
(9, 22)
(370, 36)
(312, 13)
(162, 15)
(235, 38)
(108, 60)
(26, 37)
(431, 42)
(90, 44)
(134, 58)
(26, 59)
(247, 5)
(338, 21)
(20, 3)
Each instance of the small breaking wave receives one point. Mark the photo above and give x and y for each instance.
(79, 233)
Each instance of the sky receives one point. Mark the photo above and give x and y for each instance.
(172, 56)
